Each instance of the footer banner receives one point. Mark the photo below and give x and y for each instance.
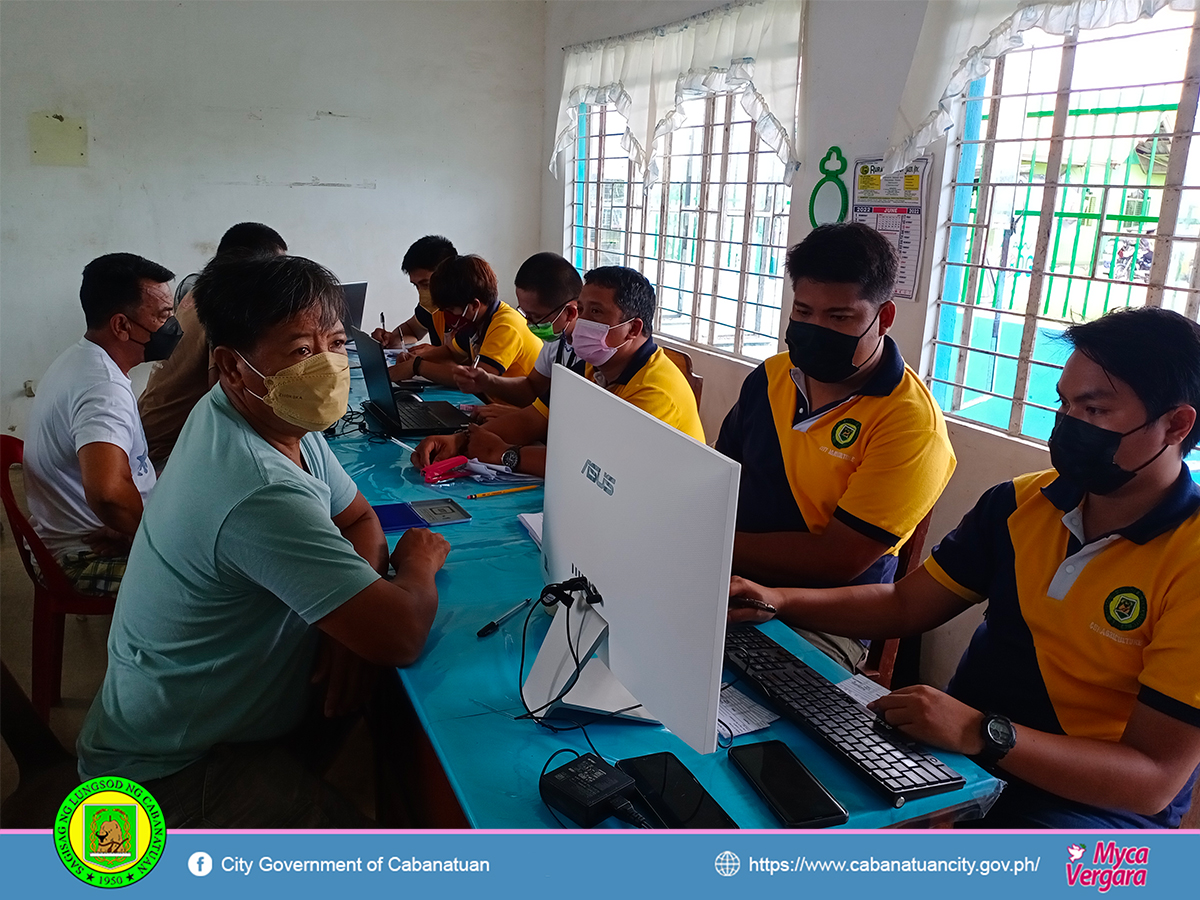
(114, 843)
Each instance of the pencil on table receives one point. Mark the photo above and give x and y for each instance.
(527, 487)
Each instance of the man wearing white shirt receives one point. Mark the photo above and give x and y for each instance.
(87, 466)
(547, 288)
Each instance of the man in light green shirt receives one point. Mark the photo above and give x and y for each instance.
(256, 548)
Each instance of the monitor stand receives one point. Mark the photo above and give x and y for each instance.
(596, 690)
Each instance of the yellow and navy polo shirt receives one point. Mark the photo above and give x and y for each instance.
(424, 313)
(1077, 633)
(503, 339)
(651, 382)
(876, 461)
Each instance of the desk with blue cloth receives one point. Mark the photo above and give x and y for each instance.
(464, 689)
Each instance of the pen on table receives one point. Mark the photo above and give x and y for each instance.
(493, 626)
(407, 447)
(526, 487)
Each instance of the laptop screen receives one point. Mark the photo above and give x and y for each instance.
(374, 369)
(356, 299)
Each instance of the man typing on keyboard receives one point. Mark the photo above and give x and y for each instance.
(1082, 686)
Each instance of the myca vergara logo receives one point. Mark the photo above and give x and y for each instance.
(110, 832)
(1110, 866)
(845, 433)
(1125, 608)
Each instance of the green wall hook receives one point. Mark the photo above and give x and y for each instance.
(832, 167)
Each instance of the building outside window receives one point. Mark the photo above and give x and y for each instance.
(1066, 204)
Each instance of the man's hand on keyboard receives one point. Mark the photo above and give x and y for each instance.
(751, 612)
(932, 717)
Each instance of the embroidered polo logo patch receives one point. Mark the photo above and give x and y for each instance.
(1125, 608)
(845, 433)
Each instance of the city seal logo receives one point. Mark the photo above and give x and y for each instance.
(1125, 608)
(845, 433)
(110, 832)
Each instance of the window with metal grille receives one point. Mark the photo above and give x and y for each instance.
(710, 235)
(1076, 192)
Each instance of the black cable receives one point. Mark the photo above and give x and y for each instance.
(559, 593)
(355, 423)
(625, 811)
(583, 731)
(720, 723)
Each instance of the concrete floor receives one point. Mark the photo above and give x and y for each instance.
(84, 662)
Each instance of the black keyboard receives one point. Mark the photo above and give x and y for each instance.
(876, 751)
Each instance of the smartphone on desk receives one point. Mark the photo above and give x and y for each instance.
(674, 793)
(794, 795)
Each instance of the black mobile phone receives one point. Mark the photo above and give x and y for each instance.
(794, 795)
(674, 793)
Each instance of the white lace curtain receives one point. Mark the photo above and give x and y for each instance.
(960, 38)
(751, 49)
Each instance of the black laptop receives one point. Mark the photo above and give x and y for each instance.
(356, 300)
(400, 413)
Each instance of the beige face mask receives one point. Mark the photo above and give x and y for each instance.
(425, 300)
(312, 394)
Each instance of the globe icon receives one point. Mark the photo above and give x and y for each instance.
(727, 863)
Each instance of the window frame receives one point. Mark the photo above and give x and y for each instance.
(650, 250)
(977, 225)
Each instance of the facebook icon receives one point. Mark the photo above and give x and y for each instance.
(200, 864)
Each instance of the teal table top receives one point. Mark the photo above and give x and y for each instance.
(465, 688)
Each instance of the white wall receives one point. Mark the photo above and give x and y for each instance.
(856, 59)
(204, 114)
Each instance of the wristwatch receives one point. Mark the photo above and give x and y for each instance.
(417, 365)
(511, 457)
(999, 736)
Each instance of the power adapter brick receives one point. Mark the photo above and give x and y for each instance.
(584, 790)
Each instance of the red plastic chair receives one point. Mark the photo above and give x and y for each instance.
(880, 661)
(54, 597)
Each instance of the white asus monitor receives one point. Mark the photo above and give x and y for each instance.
(647, 515)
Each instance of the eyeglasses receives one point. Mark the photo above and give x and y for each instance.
(549, 317)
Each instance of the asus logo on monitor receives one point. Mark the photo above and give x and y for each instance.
(602, 480)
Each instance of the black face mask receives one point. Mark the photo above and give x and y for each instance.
(163, 342)
(824, 354)
(1083, 453)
